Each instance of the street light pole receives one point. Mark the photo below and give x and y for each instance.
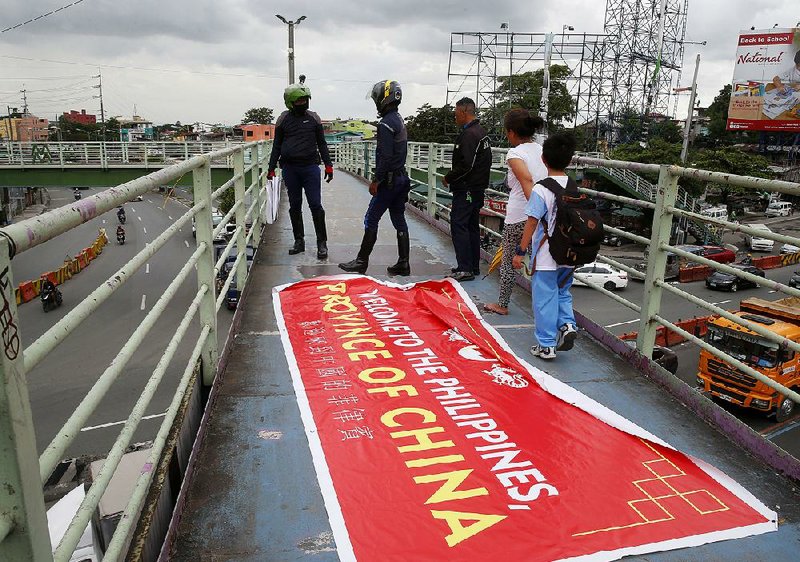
(291, 25)
(687, 130)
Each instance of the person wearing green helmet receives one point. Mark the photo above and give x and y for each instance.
(298, 144)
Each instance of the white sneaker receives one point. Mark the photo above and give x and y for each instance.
(566, 337)
(543, 352)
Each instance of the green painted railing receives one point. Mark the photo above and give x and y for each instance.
(433, 159)
(24, 532)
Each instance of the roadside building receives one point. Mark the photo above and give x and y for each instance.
(80, 117)
(24, 128)
(257, 132)
(135, 129)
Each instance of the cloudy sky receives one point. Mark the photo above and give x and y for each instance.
(209, 61)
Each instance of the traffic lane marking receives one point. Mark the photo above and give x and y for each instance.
(780, 428)
(144, 299)
(147, 268)
(186, 242)
(111, 424)
(621, 323)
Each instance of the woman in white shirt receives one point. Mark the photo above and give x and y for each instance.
(525, 168)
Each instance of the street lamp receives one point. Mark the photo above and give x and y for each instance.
(565, 28)
(291, 25)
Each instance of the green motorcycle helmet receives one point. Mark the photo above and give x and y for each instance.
(294, 92)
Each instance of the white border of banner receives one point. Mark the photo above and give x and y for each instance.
(552, 386)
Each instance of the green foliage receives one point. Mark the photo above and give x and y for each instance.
(667, 131)
(658, 152)
(226, 200)
(525, 90)
(718, 114)
(258, 115)
(432, 124)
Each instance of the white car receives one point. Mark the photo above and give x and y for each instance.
(779, 209)
(602, 275)
(790, 249)
(758, 244)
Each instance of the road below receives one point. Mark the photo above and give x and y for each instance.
(618, 319)
(62, 379)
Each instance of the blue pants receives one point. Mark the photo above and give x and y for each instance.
(393, 200)
(552, 304)
(465, 229)
(299, 178)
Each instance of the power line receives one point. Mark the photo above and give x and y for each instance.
(196, 72)
(42, 16)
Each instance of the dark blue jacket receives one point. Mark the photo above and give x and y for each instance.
(472, 160)
(299, 141)
(390, 154)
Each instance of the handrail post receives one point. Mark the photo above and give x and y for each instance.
(21, 497)
(205, 269)
(657, 260)
(431, 201)
(258, 220)
(241, 211)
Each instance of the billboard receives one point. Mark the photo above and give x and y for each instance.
(766, 82)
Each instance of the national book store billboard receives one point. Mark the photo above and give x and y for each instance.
(766, 82)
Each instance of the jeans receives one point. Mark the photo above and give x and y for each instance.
(552, 304)
(393, 200)
(298, 179)
(465, 229)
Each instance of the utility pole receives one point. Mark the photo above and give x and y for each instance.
(24, 93)
(688, 128)
(291, 25)
(102, 111)
(545, 103)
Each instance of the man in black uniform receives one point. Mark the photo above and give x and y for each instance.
(390, 186)
(468, 179)
(299, 142)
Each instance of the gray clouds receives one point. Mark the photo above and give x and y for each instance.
(343, 47)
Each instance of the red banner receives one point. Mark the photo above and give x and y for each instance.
(433, 441)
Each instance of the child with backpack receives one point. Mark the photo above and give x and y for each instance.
(563, 230)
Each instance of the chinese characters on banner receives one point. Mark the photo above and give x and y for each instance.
(766, 82)
(433, 441)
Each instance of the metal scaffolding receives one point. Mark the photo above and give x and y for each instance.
(612, 75)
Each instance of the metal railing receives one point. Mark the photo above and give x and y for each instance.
(23, 524)
(104, 155)
(426, 163)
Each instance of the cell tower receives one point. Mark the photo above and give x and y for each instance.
(629, 69)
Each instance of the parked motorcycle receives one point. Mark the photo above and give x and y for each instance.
(51, 299)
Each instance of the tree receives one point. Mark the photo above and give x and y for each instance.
(730, 160)
(226, 201)
(525, 90)
(258, 115)
(718, 114)
(431, 124)
(667, 131)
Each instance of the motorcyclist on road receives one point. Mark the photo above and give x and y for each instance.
(77, 193)
(748, 260)
(47, 286)
(120, 233)
(121, 214)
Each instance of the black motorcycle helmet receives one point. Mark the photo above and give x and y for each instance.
(387, 95)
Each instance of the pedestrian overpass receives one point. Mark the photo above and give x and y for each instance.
(231, 473)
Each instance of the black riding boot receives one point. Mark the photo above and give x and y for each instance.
(322, 233)
(403, 249)
(296, 217)
(360, 264)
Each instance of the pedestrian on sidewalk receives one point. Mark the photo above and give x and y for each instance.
(298, 144)
(468, 180)
(525, 168)
(390, 184)
(550, 291)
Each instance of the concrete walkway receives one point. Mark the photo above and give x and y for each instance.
(254, 495)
